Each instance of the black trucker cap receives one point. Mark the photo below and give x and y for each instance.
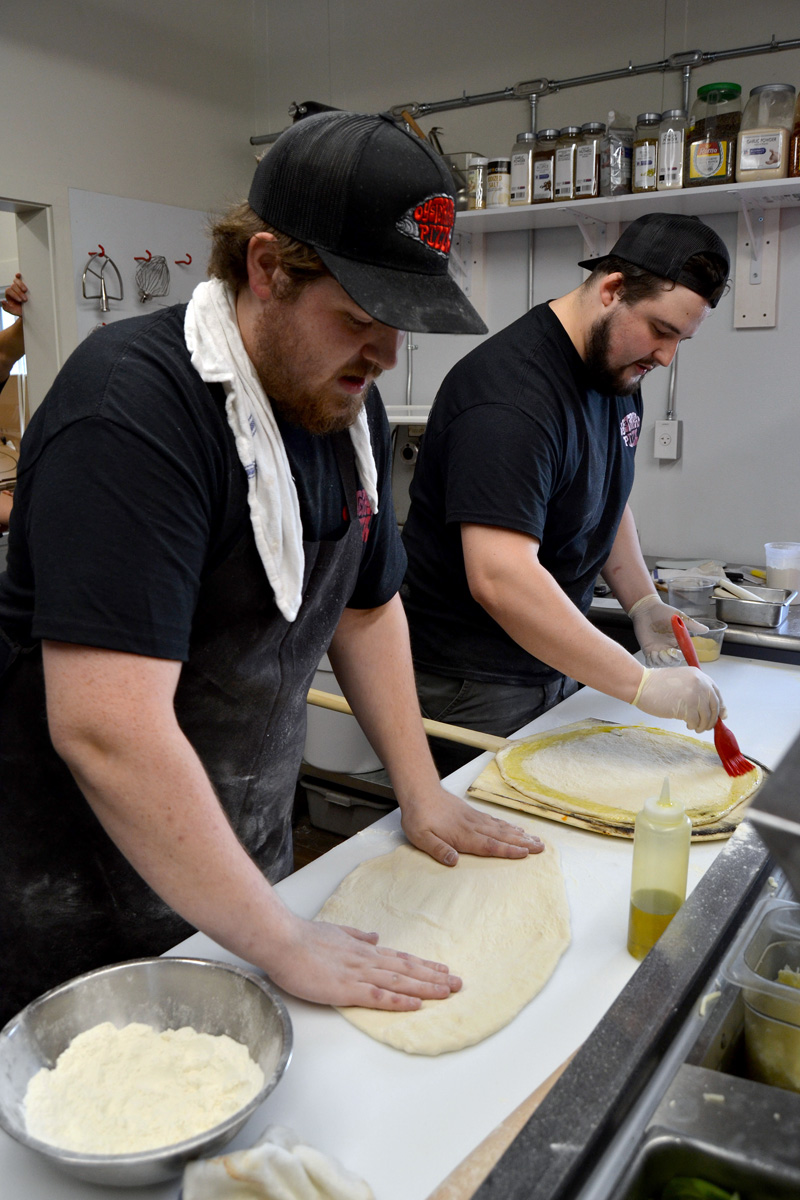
(378, 206)
(662, 243)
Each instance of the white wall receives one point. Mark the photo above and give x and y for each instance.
(737, 484)
(156, 100)
(146, 100)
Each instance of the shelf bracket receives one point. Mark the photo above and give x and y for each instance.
(467, 267)
(756, 277)
(597, 235)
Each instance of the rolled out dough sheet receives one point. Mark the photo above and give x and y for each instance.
(500, 924)
(605, 772)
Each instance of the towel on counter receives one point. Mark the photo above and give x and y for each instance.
(278, 1167)
(212, 337)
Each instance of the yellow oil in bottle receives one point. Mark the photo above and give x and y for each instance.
(651, 911)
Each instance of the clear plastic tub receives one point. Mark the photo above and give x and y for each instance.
(765, 963)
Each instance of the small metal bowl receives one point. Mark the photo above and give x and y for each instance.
(167, 993)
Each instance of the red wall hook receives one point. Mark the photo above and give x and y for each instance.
(183, 262)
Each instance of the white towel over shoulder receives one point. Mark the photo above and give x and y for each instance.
(218, 355)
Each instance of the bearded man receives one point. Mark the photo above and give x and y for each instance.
(203, 509)
(520, 498)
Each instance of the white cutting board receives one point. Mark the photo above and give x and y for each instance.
(404, 1122)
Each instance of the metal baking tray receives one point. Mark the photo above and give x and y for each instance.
(767, 613)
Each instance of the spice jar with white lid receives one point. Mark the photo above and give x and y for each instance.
(671, 141)
(498, 182)
(564, 188)
(645, 152)
(476, 182)
(587, 160)
(544, 165)
(765, 133)
(522, 168)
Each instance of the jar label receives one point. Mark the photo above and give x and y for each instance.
(644, 166)
(708, 159)
(521, 178)
(670, 157)
(760, 151)
(543, 179)
(565, 166)
(586, 171)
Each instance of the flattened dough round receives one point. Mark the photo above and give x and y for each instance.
(608, 771)
(501, 924)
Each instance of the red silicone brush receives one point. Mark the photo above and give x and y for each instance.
(725, 743)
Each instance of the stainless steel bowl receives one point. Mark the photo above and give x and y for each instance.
(167, 993)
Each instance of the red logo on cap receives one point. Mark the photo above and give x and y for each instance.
(431, 222)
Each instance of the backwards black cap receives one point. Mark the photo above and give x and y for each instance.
(663, 243)
(378, 206)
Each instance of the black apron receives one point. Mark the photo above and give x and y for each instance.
(69, 900)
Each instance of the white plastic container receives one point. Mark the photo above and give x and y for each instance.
(335, 741)
(783, 566)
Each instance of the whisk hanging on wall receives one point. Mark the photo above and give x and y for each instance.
(152, 277)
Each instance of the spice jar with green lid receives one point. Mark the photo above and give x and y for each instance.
(711, 138)
(765, 133)
(544, 165)
(645, 152)
(564, 188)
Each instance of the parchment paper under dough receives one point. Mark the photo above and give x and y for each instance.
(501, 924)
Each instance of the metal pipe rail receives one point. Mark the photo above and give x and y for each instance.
(534, 89)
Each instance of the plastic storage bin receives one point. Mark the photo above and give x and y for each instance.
(336, 741)
(340, 813)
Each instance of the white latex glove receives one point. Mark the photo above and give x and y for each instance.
(652, 626)
(684, 694)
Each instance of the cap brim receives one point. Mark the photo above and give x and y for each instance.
(589, 264)
(419, 303)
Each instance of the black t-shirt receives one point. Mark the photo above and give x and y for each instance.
(517, 438)
(130, 491)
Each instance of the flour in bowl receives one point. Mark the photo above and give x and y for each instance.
(122, 1091)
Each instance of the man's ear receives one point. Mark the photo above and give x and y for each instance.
(263, 260)
(611, 287)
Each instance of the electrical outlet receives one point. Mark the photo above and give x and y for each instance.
(668, 440)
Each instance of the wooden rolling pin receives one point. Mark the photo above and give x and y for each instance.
(452, 733)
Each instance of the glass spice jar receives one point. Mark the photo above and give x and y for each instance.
(645, 152)
(711, 137)
(522, 168)
(476, 182)
(544, 159)
(587, 160)
(671, 140)
(499, 182)
(564, 181)
(765, 133)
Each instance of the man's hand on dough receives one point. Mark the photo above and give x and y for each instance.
(443, 825)
(334, 964)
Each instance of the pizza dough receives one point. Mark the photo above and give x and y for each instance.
(607, 772)
(501, 924)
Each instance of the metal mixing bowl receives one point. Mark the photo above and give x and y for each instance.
(167, 993)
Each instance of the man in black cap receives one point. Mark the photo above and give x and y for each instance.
(230, 520)
(520, 497)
